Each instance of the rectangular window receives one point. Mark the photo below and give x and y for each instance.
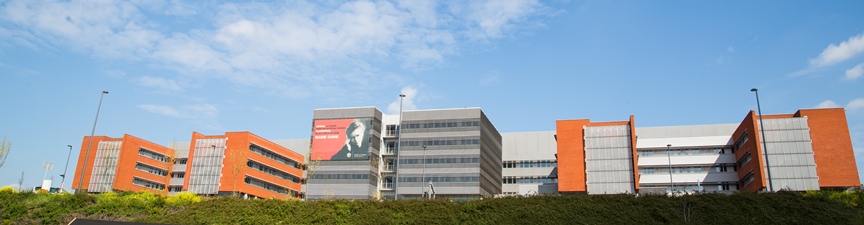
(272, 155)
(152, 155)
(150, 169)
(147, 184)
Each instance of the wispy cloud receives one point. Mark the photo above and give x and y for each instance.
(854, 72)
(194, 111)
(853, 106)
(161, 84)
(408, 102)
(293, 48)
(828, 104)
(836, 53)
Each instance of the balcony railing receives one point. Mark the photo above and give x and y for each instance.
(387, 186)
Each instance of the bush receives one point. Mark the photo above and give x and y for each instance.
(183, 199)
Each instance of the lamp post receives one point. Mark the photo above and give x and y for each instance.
(90, 143)
(398, 145)
(63, 176)
(423, 182)
(764, 144)
(669, 157)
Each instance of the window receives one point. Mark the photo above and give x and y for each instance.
(150, 169)
(747, 179)
(741, 140)
(272, 171)
(147, 184)
(744, 160)
(180, 161)
(269, 186)
(272, 155)
(152, 155)
(178, 175)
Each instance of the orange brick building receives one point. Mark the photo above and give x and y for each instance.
(238, 163)
(127, 164)
(242, 163)
(808, 150)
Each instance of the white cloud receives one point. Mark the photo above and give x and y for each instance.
(828, 104)
(854, 72)
(195, 111)
(162, 110)
(488, 80)
(836, 53)
(407, 102)
(855, 105)
(162, 84)
(730, 49)
(293, 48)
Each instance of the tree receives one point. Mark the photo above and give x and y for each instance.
(311, 166)
(5, 147)
(238, 161)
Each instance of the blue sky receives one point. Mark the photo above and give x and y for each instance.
(175, 67)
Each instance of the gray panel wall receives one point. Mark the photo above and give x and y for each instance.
(347, 188)
(609, 160)
(445, 164)
(790, 153)
(104, 166)
(206, 166)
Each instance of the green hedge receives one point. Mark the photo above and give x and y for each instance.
(743, 208)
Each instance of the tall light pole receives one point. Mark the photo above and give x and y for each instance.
(398, 145)
(423, 182)
(63, 176)
(764, 144)
(90, 143)
(669, 157)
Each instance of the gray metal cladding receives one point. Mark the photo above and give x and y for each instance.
(207, 165)
(348, 188)
(609, 160)
(790, 154)
(441, 114)
(451, 128)
(104, 166)
(342, 113)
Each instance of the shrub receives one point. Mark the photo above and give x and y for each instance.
(183, 199)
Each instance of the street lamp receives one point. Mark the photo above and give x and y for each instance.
(422, 183)
(87, 155)
(398, 145)
(63, 176)
(669, 157)
(764, 144)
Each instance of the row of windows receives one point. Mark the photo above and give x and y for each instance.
(711, 151)
(178, 175)
(272, 171)
(268, 186)
(267, 153)
(180, 161)
(442, 125)
(440, 161)
(152, 155)
(741, 140)
(150, 169)
(148, 184)
(652, 170)
(744, 160)
(530, 180)
(440, 179)
(341, 176)
(749, 178)
(442, 142)
(530, 164)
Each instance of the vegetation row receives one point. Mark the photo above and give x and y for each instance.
(815, 207)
